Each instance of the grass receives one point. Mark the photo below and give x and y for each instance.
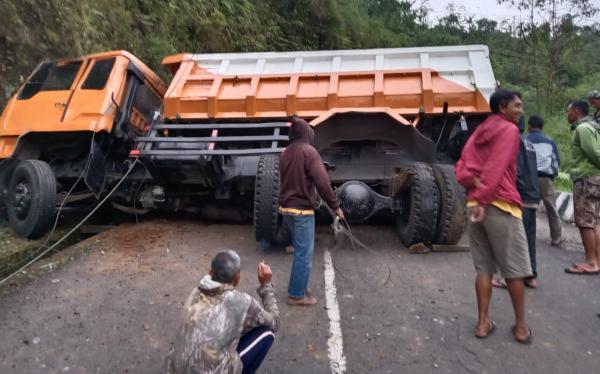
(16, 251)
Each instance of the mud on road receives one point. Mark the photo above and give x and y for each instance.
(115, 307)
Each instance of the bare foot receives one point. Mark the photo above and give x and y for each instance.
(485, 330)
(530, 282)
(305, 301)
(523, 335)
(583, 268)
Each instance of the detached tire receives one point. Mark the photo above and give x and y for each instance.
(31, 199)
(417, 220)
(266, 195)
(452, 212)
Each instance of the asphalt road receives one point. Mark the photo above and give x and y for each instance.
(116, 306)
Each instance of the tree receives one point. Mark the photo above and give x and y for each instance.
(550, 40)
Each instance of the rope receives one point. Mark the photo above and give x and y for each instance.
(85, 169)
(74, 228)
(342, 227)
(87, 165)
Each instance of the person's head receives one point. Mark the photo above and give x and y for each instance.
(301, 131)
(508, 104)
(594, 99)
(225, 267)
(577, 110)
(535, 122)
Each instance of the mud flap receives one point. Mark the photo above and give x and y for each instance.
(95, 176)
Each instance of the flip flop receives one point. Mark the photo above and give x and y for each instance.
(498, 283)
(527, 341)
(490, 331)
(305, 301)
(580, 270)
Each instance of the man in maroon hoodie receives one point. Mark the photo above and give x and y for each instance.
(302, 176)
(487, 169)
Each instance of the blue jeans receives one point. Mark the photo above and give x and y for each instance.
(302, 228)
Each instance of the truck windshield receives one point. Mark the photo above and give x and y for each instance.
(50, 76)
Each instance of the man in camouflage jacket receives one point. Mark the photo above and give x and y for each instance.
(225, 330)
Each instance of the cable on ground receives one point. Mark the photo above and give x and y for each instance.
(76, 226)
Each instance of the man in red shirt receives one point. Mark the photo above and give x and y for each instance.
(487, 170)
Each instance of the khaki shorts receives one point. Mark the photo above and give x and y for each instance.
(586, 202)
(499, 242)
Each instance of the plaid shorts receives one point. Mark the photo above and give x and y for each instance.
(586, 202)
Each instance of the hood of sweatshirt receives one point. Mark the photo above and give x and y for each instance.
(209, 286)
(301, 132)
(587, 119)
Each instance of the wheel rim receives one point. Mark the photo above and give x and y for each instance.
(22, 199)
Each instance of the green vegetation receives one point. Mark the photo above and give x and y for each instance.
(551, 59)
(558, 128)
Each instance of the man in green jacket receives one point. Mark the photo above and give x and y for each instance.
(585, 173)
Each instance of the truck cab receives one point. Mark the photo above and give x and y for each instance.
(67, 122)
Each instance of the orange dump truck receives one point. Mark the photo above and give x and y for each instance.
(388, 123)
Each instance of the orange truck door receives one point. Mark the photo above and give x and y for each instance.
(91, 104)
(41, 103)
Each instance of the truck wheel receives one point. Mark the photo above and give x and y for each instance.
(31, 200)
(266, 195)
(452, 213)
(417, 220)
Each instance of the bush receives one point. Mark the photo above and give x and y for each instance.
(563, 182)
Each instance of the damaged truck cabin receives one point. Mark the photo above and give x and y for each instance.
(389, 124)
(68, 130)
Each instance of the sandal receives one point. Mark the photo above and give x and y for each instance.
(305, 301)
(581, 269)
(498, 283)
(527, 341)
(489, 332)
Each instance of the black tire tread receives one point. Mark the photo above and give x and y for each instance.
(420, 225)
(452, 211)
(43, 208)
(266, 195)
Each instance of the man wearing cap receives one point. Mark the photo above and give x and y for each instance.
(302, 176)
(594, 100)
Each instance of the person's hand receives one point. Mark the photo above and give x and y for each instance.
(478, 214)
(264, 273)
(339, 213)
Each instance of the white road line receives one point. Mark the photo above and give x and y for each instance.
(335, 342)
